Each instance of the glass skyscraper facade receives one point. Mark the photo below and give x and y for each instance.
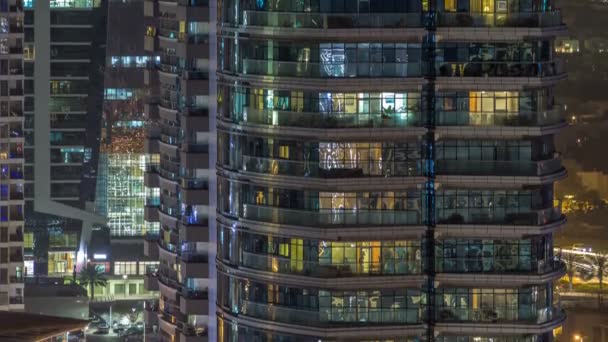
(386, 170)
(64, 54)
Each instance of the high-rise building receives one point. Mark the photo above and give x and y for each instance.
(386, 170)
(178, 174)
(11, 155)
(64, 55)
(120, 180)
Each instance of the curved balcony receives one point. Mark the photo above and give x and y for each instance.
(315, 169)
(507, 69)
(337, 70)
(333, 317)
(498, 168)
(516, 19)
(328, 276)
(284, 265)
(513, 225)
(498, 119)
(484, 321)
(329, 217)
(285, 118)
(315, 333)
(331, 20)
(502, 272)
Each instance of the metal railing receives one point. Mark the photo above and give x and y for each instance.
(524, 313)
(497, 167)
(324, 217)
(331, 20)
(516, 19)
(331, 316)
(283, 265)
(315, 169)
(336, 70)
(499, 69)
(329, 120)
(527, 119)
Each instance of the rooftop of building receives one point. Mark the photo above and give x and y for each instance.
(20, 326)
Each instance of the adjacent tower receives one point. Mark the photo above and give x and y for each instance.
(179, 166)
(11, 155)
(386, 170)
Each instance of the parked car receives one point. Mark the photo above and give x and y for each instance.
(76, 336)
(103, 328)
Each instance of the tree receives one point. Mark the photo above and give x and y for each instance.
(571, 260)
(91, 276)
(598, 264)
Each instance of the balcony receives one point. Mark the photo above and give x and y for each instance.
(475, 216)
(198, 232)
(151, 176)
(194, 156)
(15, 300)
(499, 272)
(329, 217)
(194, 266)
(517, 19)
(17, 279)
(315, 169)
(498, 168)
(330, 317)
(498, 317)
(331, 71)
(151, 314)
(151, 281)
(151, 246)
(500, 69)
(16, 237)
(499, 119)
(283, 265)
(151, 213)
(194, 302)
(195, 192)
(331, 20)
(16, 257)
(329, 120)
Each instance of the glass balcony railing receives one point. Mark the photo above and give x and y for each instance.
(497, 168)
(511, 314)
(497, 265)
(330, 217)
(524, 119)
(331, 20)
(517, 19)
(283, 265)
(397, 20)
(329, 120)
(331, 316)
(498, 69)
(499, 216)
(315, 169)
(336, 70)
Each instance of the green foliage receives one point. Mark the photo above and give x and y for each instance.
(91, 276)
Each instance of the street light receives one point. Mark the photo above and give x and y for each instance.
(578, 337)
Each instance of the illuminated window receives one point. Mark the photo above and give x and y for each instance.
(28, 240)
(125, 267)
(450, 5)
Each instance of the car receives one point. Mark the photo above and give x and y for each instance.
(76, 336)
(119, 328)
(581, 247)
(103, 328)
